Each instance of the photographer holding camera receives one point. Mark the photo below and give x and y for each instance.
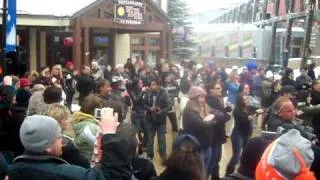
(157, 104)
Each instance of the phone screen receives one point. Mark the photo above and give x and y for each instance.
(97, 113)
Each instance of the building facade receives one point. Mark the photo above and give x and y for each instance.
(48, 39)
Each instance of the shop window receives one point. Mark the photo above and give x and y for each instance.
(137, 41)
(152, 58)
(153, 41)
(138, 54)
(295, 52)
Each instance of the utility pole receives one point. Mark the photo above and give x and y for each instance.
(287, 49)
(307, 35)
(4, 38)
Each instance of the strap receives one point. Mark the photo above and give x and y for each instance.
(305, 174)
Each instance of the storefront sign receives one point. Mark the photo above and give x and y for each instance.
(129, 12)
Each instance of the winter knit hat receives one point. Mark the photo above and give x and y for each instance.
(7, 80)
(180, 139)
(24, 82)
(196, 91)
(37, 132)
(69, 64)
(288, 157)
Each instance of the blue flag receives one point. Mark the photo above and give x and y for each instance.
(11, 26)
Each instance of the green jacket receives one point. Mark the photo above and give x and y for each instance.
(86, 128)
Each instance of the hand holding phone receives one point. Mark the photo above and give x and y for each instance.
(109, 121)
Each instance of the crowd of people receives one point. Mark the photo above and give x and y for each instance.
(123, 109)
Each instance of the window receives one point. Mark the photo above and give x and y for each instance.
(152, 58)
(153, 41)
(137, 41)
(139, 54)
(295, 52)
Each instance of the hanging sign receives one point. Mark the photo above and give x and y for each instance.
(129, 12)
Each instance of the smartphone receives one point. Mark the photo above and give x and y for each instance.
(97, 113)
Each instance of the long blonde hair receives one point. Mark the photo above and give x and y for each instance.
(59, 68)
(193, 104)
(62, 115)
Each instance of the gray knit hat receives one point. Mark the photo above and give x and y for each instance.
(37, 132)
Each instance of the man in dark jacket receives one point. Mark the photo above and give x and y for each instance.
(285, 119)
(120, 95)
(315, 95)
(173, 90)
(157, 104)
(41, 136)
(70, 83)
(85, 84)
(303, 79)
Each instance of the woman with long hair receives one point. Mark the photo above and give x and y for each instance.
(197, 121)
(185, 161)
(242, 130)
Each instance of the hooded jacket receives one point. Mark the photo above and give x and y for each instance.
(86, 128)
(288, 157)
(114, 165)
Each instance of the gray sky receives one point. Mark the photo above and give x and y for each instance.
(68, 7)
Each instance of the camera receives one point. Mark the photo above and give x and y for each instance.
(97, 113)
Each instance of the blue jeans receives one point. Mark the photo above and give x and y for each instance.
(238, 141)
(211, 158)
(216, 155)
(161, 134)
(207, 156)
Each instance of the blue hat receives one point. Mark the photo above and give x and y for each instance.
(180, 139)
(251, 65)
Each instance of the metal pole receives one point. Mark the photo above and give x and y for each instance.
(4, 37)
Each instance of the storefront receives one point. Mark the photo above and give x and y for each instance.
(98, 31)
